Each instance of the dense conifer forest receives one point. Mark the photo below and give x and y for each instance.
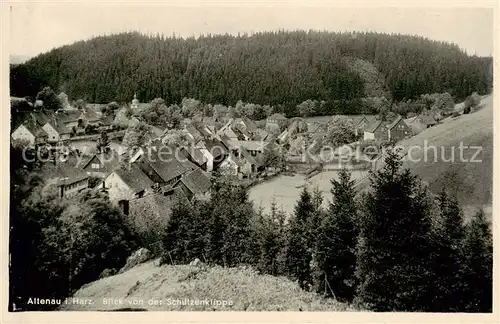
(281, 69)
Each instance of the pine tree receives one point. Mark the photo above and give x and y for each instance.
(298, 254)
(270, 235)
(393, 266)
(447, 255)
(335, 249)
(176, 238)
(478, 265)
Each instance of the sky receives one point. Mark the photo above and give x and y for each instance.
(38, 27)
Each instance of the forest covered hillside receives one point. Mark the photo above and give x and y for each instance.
(281, 69)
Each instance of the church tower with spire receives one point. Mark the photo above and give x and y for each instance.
(135, 102)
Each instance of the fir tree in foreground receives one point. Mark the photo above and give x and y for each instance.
(393, 255)
(298, 253)
(177, 238)
(335, 249)
(478, 272)
(446, 289)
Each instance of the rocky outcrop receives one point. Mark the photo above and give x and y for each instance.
(140, 256)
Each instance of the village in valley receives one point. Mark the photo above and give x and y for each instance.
(241, 149)
(278, 170)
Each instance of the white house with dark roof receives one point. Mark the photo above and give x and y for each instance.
(29, 132)
(126, 183)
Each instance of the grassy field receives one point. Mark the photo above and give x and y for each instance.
(244, 288)
(285, 190)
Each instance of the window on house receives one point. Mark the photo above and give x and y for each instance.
(95, 165)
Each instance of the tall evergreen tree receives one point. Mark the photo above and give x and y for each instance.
(478, 264)
(446, 293)
(335, 249)
(393, 256)
(298, 254)
(176, 239)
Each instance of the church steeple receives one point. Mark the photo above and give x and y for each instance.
(135, 102)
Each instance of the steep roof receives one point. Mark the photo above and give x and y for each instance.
(35, 129)
(110, 160)
(213, 146)
(250, 124)
(68, 174)
(190, 129)
(196, 181)
(60, 128)
(373, 126)
(195, 154)
(260, 135)
(135, 179)
(395, 122)
(167, 166)
(91, 115)
(68, 116)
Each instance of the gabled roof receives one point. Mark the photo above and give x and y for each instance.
(248, 157)
(68, 174)
(195, 154)
(204, 130)
(196, 181)
(193, 131)
(395, 122)
(35, 130)
(165, 162)
(249, 124)
(225, 140)
(68, 116)
(260, 135)
(356, 120)
(374, 126)
(157, 206)
(134, 178)
(110, 160)
(90, 115)
(213, 146)
(61, 129)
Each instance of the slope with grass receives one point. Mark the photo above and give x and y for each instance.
(437, 155)
(172, 285)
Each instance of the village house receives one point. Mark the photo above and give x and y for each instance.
(275, 122)
(56, 132)
(360, 124)
(382, 130)
(214, 151)
(195, 155)
(376, 131)
(71, 182)
(230, 166)
(418, 123)
(163, 164)
(102, 164)
(398, 130)
(30, 133)
(125, 184)
(195, 184)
